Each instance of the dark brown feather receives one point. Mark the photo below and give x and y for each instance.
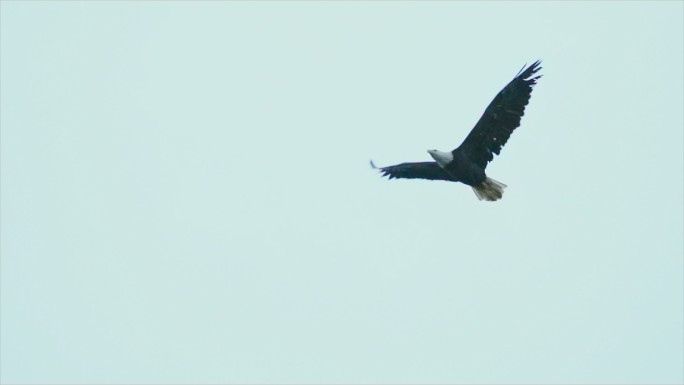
(501, 117)
(419, 170)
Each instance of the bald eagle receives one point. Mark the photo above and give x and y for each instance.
(467, 163)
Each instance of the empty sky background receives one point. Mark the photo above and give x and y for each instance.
(186, 195)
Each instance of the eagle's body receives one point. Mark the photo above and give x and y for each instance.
(467, 163)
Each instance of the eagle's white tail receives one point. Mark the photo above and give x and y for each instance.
(489, 190)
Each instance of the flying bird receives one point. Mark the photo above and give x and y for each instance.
(467, 163)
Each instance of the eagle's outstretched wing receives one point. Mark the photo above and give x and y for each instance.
(419, 170)
(501, 117)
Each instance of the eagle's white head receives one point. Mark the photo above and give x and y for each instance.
(442, 158)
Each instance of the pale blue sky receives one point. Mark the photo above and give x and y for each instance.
(186, 194)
